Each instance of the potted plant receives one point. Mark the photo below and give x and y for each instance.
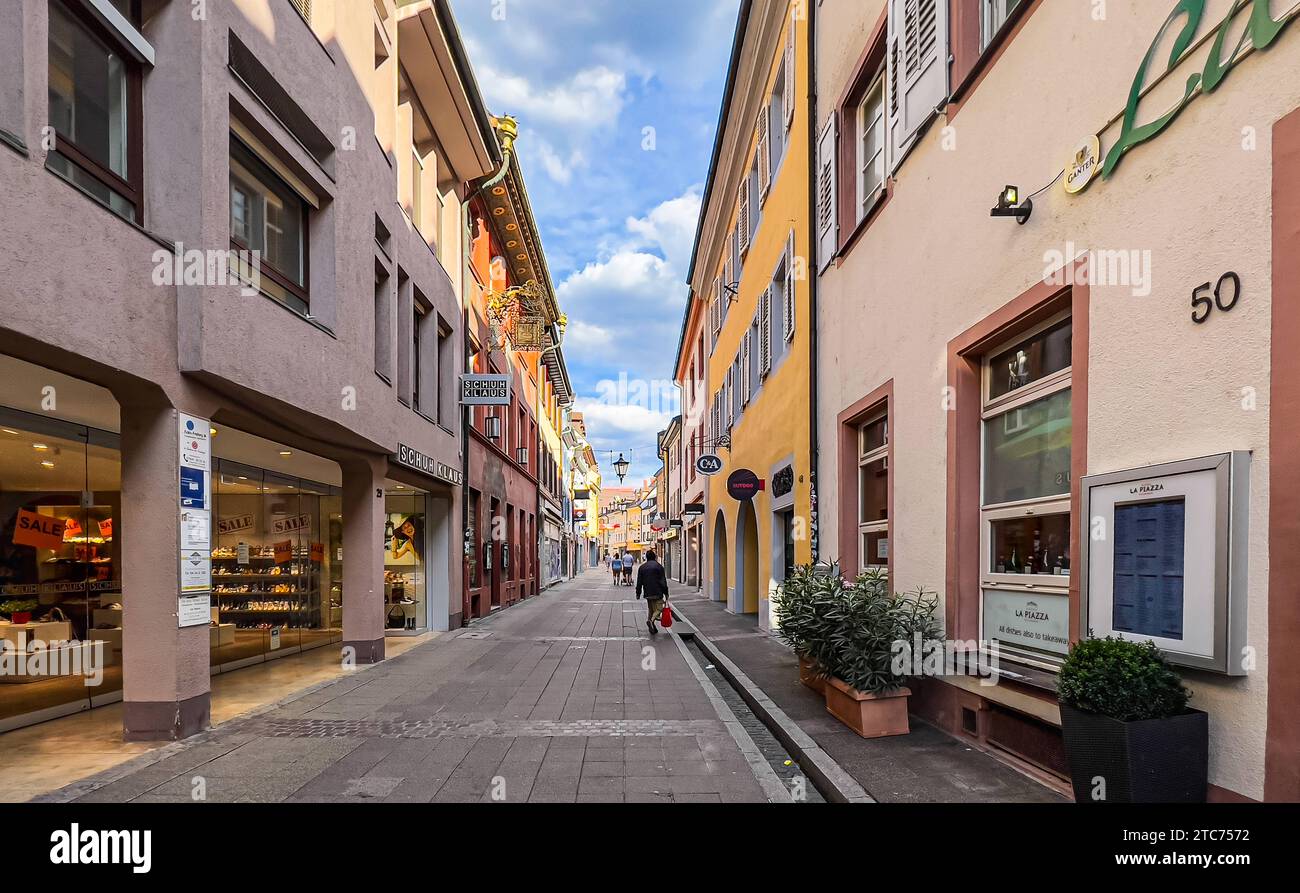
(864, 687)
(19, 610)
(1129, 735)
(802, 603)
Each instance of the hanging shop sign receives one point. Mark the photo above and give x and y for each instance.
(1084, 165)
(1260, 29)
(744, 485)
(579, 495)
(708, 464)
(693, 509)
(1172, 569)
(414, 459)
(659, 524)
(484, 390)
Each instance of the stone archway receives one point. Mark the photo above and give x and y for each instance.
(747, 561)
(718, 589)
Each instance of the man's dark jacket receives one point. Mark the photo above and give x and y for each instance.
(651, 579)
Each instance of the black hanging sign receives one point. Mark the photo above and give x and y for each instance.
(743, 484)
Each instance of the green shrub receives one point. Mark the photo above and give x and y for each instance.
(849, 630)
(1121, 679)
(14, 606)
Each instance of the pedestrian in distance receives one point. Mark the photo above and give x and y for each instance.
(653, 583)
(629, 560)
(616, 564)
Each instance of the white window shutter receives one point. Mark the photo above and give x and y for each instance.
(828, 224)
(788, 313)
(745, 383)
(764, 132)
(788, 99)
(742, 215)
(918, 44)
(765, 333)
(731, 399)
(737, 270)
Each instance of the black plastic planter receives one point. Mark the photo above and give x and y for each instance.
(1144, 761)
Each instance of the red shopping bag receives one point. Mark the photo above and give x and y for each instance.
(666, 616)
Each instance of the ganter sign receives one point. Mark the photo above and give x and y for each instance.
(1262, 30)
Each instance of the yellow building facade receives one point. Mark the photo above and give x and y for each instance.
(750, 269)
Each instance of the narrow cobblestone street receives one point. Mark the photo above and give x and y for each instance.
(555, 700)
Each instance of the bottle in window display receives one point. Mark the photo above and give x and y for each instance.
(1014, 566)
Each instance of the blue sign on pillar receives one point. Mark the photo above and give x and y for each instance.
(193, 488)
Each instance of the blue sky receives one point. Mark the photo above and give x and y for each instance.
(616, 203)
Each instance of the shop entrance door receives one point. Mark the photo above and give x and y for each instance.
(490, 546)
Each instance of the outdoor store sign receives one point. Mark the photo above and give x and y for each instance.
(1260, 28)
(195, 520)
(485, 390)
(744, 485)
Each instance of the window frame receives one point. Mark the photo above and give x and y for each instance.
(301, 292)
(989, 10)
(992, 409)
(131, 188)
(866, 202)
(867, 458)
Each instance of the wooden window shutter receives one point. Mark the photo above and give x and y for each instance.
(745, 383)
(742, 216)
(304, 8)
(828, 232)
(789, 289)
(918, 43)
(765, 333)
(763, 129)
(789, 99)
(731, 397)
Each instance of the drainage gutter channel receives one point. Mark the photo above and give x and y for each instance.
(836, 785)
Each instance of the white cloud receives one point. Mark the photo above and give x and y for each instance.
(591, 99)
(558, 169)
(670, 227)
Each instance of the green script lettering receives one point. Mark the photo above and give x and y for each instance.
(1262, 29)
(1130, 135)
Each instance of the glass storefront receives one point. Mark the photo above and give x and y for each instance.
(60, 566)
(276, 564)
(405, 553)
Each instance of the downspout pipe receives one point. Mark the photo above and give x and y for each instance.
(813, 448)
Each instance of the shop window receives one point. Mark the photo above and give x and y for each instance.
(276, 565)
(873, 493)
(60, 567)
(405, 568)
(268, 216)
(993, 15)
(1025, 503)
(95, 107)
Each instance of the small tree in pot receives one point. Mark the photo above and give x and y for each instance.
(1129, 735)
(803, 603)
(865, 689)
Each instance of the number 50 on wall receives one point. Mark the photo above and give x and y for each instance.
(1225, 293)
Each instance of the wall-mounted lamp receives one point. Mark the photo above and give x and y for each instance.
(492, 427)
(521, 455)
(1010, 205)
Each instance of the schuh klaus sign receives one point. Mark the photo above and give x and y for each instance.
(743, 484)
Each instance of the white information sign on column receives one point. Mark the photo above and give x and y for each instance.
(194, 489)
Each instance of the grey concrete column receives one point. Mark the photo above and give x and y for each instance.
(363, 558)
(165, 669)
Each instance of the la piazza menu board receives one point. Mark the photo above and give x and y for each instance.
(1148, 576)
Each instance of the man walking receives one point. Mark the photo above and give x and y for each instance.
(651, 579)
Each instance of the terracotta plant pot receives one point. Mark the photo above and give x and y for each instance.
(871, 716)
(808, 676)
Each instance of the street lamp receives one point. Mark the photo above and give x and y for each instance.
(492, 424)
(620, 467)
